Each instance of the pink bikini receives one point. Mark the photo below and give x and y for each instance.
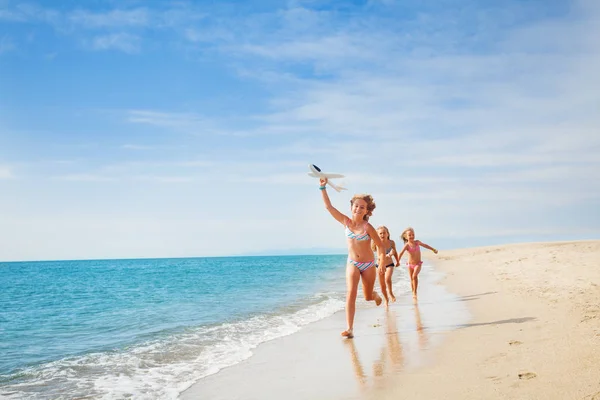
(414, 249)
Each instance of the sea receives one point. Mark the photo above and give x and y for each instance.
(150, 328)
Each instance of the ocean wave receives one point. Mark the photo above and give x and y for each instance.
(164, 367)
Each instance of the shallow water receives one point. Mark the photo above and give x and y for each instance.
(316, 362)
(149, 328)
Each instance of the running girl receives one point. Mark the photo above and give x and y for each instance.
(360, 264)
(413, 247)
(387, 269)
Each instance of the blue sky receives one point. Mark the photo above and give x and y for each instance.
(166, 129)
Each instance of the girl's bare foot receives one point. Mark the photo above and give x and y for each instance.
(393, 298)
(377, 299)
(348, 334)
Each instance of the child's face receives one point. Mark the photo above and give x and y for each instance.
(382, 234)
(359, 207)
(410, 235)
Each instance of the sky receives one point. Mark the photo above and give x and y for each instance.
(133, 129)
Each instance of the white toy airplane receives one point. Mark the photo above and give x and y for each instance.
(316, 173)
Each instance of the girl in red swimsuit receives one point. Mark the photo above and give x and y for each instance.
(413, 247)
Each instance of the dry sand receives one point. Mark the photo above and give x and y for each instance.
(535, 331)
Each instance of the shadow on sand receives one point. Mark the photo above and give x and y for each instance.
(473, 296)
(502, 321)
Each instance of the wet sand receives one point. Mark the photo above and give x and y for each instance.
(505, 322)
(317, 363)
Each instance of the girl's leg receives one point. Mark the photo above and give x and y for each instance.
(416, 279)
(382, 282)
(412, 282)
(368, 281)
(352, 278)
(388, 282)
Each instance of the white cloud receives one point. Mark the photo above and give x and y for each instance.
(176, 15)
(274, 179)
(333, 48)
(6, 172)
(136, 147)
(124, 42)
(108, 178)
(164, 179)
(138, 17)
(195, 163)
(84, 178)
(176, 171)
(28, 13)
(182, 122)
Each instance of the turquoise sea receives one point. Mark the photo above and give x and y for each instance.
(149, 328)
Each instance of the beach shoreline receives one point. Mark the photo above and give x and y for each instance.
(316, 362)
(533, 333)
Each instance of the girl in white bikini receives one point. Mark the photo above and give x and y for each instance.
(360, 264)
(413, 247)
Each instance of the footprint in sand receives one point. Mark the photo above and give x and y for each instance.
(496, 357)
(514, 343)
(527, 375)
(592, 396)
(495, 379)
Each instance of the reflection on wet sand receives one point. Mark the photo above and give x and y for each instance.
(391, 356)
(393, 347)
(359, 371)
(423, 339)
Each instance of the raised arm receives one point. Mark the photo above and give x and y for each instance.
(427, 246)
(341, 218)
(376, 240)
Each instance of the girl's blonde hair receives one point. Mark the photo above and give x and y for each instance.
(370, 204)
(403, 236)
(386, 230)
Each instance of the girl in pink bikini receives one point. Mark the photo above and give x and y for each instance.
(413, 247)
(361, 263)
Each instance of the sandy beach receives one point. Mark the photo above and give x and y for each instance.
(535, 331)
(503, 322)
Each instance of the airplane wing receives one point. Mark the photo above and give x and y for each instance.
(316, 173)
(324, 175)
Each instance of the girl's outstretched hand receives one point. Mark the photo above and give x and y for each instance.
(323, 181)
(435, 251)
